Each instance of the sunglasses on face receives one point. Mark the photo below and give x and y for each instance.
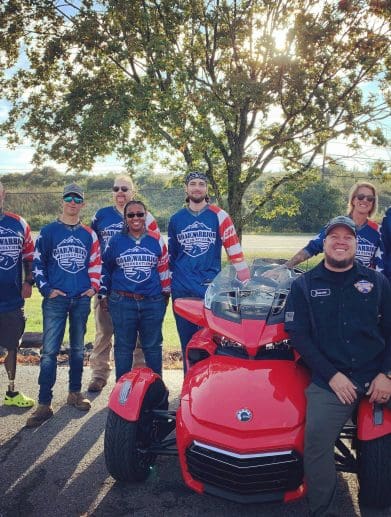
(122, 189)
(369, 198)
(130, 215)
(69, 199)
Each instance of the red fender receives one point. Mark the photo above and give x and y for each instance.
(128, 394)
(367, 428)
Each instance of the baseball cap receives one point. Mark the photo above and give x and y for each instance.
(196, 175)
(73, 188)
(341, 220)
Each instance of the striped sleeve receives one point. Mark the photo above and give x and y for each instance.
(231, 243)
(162, 265)
(151, 223)
(28, 244)
(95, 262)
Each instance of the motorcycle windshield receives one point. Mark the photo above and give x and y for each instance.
(262, 296)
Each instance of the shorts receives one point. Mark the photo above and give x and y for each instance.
(11, 328)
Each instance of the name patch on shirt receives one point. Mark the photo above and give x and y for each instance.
(363, 286)
(320, 292)
(289, 316)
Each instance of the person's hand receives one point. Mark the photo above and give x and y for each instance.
(343, 388)
(27, 290)
(56, 292)
(243, 275)
(90, 292)
(380, 389)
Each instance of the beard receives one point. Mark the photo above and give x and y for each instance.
(339, 264)
(197, 199)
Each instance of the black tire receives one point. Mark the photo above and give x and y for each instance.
(374, 472)
(126, 442)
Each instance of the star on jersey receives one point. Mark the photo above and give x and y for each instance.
(196, 239)
(11, 243)
(37, 272)
(137, 264)
(71, 255)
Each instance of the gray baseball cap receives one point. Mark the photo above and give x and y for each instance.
(341, 220)
(73, 188)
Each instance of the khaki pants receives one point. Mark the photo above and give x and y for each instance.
(100, 360)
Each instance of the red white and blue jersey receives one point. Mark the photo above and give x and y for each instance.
(383, 254)
(368, 241)
(194, 245)
(108, 221)
(67, 258)
(136, 265)
(16, 247)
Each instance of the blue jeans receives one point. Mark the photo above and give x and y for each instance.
(185, 328)
(55, 312)
(130, 316)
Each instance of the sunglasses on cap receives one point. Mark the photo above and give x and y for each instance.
(130, 215)
(68, 199)
(122, 189)
(369, 198)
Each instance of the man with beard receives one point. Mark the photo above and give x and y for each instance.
(338, 316)
(196, 235)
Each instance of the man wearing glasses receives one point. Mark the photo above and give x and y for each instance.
(67, 270)
(107, 222)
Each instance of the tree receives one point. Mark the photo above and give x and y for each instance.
(230, 86)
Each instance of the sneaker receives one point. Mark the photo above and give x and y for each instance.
(40, 415)
(18, 399)
(96, 385)
(76, 399)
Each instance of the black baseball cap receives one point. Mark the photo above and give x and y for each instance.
(341, 220)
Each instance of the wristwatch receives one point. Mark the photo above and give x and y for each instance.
(30, 282)
(101, 296)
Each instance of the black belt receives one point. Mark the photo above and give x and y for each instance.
(127, 294)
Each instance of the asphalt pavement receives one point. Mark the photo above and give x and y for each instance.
(58, 469)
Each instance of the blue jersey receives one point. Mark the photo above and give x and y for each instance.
(194, 247)
(136, 265)
(108, 221)
(67, 258)
(383, 255)
(368, 241)
(16, 247)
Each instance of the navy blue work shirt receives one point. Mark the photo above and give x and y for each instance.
(351, 325)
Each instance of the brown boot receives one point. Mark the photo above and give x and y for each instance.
(40, 415)
(96, 385)
(76, 399)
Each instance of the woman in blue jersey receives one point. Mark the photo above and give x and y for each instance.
(135, 288)
(362, 205)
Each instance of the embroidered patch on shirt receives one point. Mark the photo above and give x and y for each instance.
(363, 286)
(320, 292)
(289, 316)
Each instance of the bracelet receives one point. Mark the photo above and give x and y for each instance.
(30, 282)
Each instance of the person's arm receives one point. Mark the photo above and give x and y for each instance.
(313, 247)
(230, 241)
(94, 264)
(298, 258)
(383, 253)
(27, 260)
(40, 265)
(151, 223)
(163, 269)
